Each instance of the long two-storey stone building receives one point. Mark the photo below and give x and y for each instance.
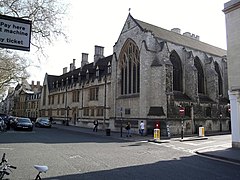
(152, 73)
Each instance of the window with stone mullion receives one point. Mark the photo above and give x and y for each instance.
(200, 73)
(129, 75)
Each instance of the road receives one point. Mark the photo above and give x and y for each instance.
(75, 155)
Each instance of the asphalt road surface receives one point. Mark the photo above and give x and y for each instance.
(75, 155)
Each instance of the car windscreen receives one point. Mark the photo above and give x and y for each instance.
(43, 120)
(24, 120)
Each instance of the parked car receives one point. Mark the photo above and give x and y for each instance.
(43, 122)
(22, 123)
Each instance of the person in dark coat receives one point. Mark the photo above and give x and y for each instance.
(95, 123)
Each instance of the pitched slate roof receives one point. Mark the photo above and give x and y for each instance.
(181, 39)
(91, 68)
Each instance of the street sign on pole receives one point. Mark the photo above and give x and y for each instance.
(182, 111)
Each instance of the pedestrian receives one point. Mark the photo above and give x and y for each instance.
(128, 128)
(141, 128)
(95, 123)
(50, 120)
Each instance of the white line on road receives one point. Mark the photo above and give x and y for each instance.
(76, 156)
(6, 148)
(220, 146)
(197, 144)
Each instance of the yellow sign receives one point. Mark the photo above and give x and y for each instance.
(157, 134)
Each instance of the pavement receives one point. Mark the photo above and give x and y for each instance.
(223, 153)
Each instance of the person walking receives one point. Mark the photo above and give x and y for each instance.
(51, 119)
(141, 128)
(128, 128)
(95, 123)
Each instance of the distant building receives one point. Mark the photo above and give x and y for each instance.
(232, 15)
(26, 100)
(152, 73)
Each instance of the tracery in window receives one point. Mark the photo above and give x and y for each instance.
(220, 83)
(129, 66)
(200, 72)
(177, 71)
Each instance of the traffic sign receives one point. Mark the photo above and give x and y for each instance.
(181, 111)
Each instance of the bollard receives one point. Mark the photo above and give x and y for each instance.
(156, 134)
(201, 132)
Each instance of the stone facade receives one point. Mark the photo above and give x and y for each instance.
(232, 15)
(150, 75)
(205, 102)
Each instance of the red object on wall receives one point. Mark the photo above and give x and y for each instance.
(181, 111)
(157, 125)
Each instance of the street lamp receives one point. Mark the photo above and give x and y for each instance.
(68, 108)
(220, 116)
(105, 101)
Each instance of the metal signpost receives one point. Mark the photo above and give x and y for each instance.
(182, 113)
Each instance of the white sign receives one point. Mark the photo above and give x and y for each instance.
(15, 33)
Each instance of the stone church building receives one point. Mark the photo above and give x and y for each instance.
(151, 75)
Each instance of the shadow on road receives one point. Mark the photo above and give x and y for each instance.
(187, 168)
(55, 136)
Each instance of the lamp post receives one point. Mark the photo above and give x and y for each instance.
(105, 99)
(220, 118)
(68, 108)
(182, 114)
(121, 121)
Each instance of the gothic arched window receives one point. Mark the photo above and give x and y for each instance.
(129, 65)
(220, 84)
(198, 65)
(177, 71)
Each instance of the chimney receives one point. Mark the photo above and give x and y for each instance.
(176, 30)
(71, 66)
(98, 53)
(84, 59)
(74, 66)
(65, 70)
(32, 85)
(38, 85)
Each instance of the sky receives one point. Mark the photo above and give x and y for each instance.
(95, 22)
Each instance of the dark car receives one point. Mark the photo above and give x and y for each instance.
(22, 123)
(43, 122)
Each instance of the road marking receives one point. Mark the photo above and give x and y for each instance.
(226, 145)
(15, 132)
(197, 144)
(6, 148)
(76, 156)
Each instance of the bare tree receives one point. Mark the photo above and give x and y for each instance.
(12, 69)
(46, 17)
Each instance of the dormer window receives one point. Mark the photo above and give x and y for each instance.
(109, 70)
(97, 71)
(87, 75)
(53, 85)
(79, 76)
(66, 81)
(62, 83)
(57, 84)
(72, 79)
